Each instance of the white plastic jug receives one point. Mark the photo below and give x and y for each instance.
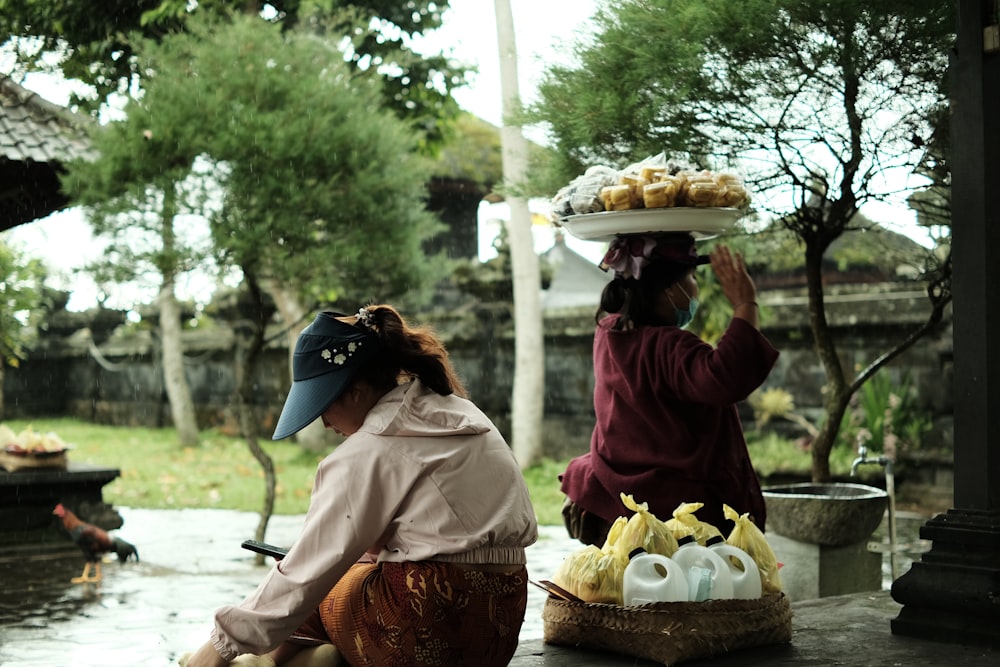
(653, 578)
(746, 580)
(694, 559)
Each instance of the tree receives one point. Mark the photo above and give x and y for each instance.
(98, 46)
(103, 48)
(317, 188)
(527, 400)
(826, 105)
(21, 294)
(134, 194)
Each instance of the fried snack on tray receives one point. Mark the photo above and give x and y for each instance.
(661, 194)
(654, 173)
(650, 185)
(703, 193)
(617, 198)
(635, 185)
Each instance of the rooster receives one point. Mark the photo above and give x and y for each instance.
(94, 542)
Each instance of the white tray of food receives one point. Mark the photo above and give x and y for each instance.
(701, 223)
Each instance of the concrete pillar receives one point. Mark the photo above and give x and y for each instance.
(811, 571)
(951, 593)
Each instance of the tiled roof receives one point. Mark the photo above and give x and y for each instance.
(32, 128)
(36, 138)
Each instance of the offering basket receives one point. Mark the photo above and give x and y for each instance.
(669, 632)
(12, 459)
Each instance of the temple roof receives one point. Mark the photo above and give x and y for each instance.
(36, 138)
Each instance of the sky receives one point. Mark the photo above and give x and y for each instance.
(543, 34)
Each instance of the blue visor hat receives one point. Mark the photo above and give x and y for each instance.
(328, 355)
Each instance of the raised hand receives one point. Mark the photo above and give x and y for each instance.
(735, 282)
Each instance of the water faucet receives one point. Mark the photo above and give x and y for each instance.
(863, 458)
(886, 460)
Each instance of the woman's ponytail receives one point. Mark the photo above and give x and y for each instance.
(408, 352)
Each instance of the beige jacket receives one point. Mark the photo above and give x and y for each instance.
(427, 477)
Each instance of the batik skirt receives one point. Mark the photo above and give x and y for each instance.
(422, 614)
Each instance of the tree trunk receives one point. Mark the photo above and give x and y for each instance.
(528, 396)
(174, 380)
(249, 345)
(293, 313)
(837, 392)
(178, 392)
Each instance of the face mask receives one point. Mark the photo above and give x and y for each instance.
(684, 317)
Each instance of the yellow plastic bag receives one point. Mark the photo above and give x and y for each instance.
(614, 534)
(748, 537)
(686, 523)
(592, 575)
(642, 529)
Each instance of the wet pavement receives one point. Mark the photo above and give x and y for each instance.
(151, 612)
(841, 631)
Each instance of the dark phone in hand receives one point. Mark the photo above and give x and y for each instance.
(267, 549)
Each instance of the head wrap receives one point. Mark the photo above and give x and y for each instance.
(628, 254)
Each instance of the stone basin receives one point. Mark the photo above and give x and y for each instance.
(833, 514)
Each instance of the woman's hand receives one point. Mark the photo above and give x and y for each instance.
(736, 283)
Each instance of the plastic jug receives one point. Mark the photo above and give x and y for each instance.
(653, 578)
(695, 559)
(746, 579)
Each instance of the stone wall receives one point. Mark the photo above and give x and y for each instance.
(119, 380)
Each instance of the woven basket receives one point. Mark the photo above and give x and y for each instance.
(14, 462)
(669, 632)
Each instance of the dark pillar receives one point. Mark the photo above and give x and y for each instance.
(456, 202)
(953, 593)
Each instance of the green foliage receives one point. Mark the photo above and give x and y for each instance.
(885, 417)
(773, 455)
(282, 149)
(104, 41)
(471, 151)
(21, 295)
(796, 93)
(823, 105)
(136, 192)
(776, 249)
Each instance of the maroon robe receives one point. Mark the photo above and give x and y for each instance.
(667, 429)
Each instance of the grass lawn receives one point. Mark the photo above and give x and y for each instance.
(156, 473)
